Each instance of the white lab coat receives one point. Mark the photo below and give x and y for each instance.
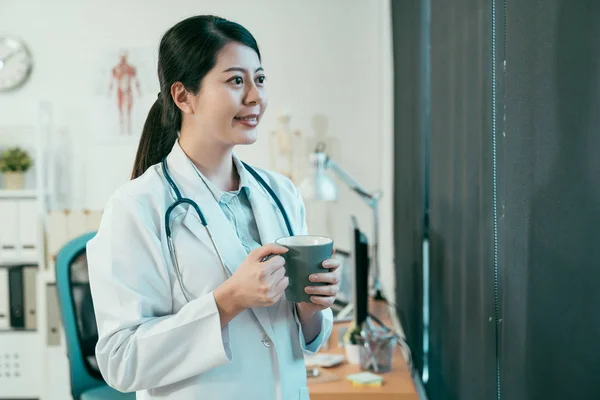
(152, 341)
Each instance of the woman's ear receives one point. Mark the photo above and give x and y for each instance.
(182, 98)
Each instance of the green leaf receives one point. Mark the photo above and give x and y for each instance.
(15, 160)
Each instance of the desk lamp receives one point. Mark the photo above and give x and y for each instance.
(319, 186)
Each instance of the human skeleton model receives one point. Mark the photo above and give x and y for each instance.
(286, 148)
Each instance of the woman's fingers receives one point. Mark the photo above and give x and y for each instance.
(326, 277)
(332, 264)
(325, 290)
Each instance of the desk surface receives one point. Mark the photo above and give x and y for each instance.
(397, 384)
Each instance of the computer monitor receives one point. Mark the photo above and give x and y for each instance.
(360, 261)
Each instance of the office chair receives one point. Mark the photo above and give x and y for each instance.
(79, 322)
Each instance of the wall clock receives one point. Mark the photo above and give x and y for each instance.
(16, 63)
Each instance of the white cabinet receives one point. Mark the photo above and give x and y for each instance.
(22, 352)
(20, 367)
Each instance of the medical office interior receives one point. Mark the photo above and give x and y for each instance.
(455, 142)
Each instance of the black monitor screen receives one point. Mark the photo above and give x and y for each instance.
(360, 256)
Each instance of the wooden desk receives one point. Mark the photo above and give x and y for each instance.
(397, 384)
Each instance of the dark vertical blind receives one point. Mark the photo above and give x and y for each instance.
(514, 194)
(551, 330)
(408, 172)
(463, 338)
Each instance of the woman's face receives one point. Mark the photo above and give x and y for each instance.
(232, 97)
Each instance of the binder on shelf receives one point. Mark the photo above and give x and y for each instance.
(30, 292)
(93, 219)
(28, 229)
(4, 300)
(57, 234)
(52, 316)
(76, 223)
(9, 231)
(16, 297)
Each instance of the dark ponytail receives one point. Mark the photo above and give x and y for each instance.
(186, 53)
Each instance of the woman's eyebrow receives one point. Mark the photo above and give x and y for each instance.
(240, 69)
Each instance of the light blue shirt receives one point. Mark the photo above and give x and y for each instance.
(237, 208)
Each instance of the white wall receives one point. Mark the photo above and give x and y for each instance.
(321, 57)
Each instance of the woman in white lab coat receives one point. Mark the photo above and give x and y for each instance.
(237, 337)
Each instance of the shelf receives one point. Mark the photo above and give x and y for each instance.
(18, 194)
(9, 263)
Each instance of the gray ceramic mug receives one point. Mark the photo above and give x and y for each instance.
(305, 256)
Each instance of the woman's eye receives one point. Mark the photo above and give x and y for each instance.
(261, 79)
(237, 80)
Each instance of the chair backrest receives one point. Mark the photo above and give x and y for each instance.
(77, 314)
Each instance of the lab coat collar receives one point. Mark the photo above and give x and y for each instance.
(245, 177)
(267, 216)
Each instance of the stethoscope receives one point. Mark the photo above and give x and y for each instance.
(183, 200)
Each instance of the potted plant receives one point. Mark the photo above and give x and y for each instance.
(352, 344)
(14, 162)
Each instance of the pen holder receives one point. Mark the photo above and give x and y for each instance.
(376, 351)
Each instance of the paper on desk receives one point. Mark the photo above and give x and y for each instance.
(364, 378)
(323, 360)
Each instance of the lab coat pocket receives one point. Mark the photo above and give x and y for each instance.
(304, 394)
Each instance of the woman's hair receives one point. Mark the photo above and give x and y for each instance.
(186, 53)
